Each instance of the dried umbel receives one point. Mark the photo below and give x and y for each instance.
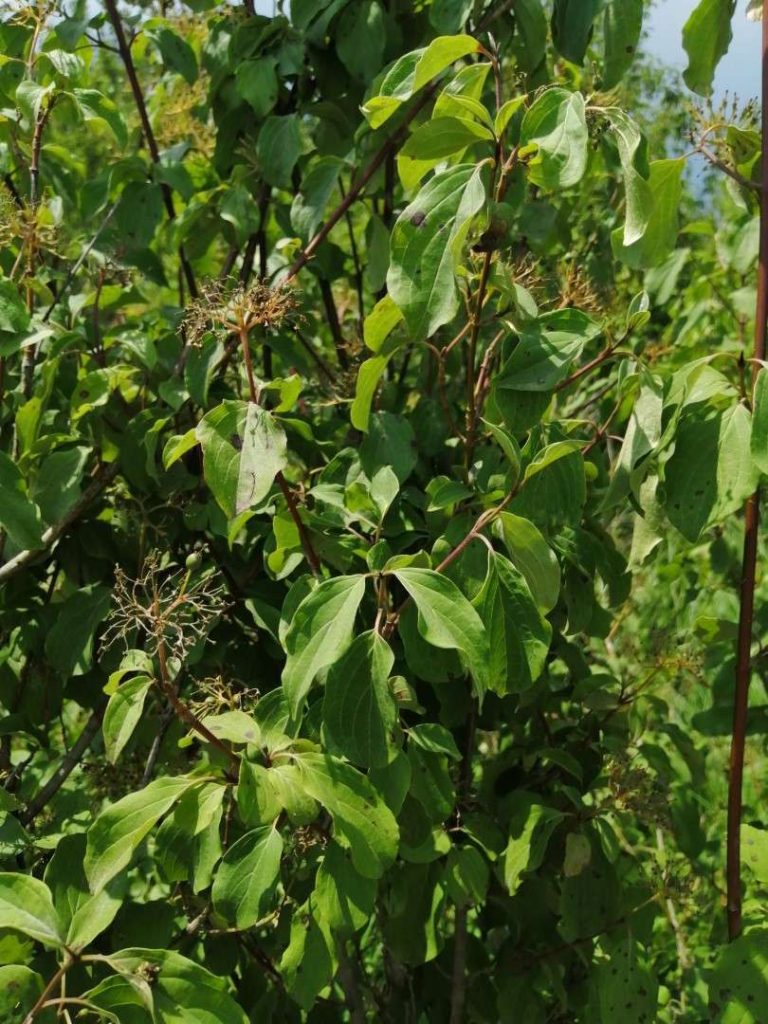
(634, 789)
(30, 229)
(223, 309)
(579, 291)
(215, 695)
(710, 123)
(165, 607)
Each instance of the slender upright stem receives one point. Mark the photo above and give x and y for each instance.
(245, 346)
(185, 714)
(49, 988)
(282, 483)
(749, 560)
(146, 126)
(390, 146)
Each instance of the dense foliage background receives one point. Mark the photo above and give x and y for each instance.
(376, 420)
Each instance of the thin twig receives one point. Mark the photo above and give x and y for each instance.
(332, 316)
(66, 766)
(185, 714)
(49, 988)
(51, 535)
(732, 173)
(79, 262)
(357, 186)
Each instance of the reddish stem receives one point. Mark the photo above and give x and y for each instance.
(749, 561)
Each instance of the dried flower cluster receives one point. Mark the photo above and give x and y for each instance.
(224, 308)
(165, 607)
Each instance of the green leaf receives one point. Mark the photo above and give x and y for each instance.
(660, 234)
(19, 516)
(57, 485)
(319, 633)
(380, 323)
(443, 136)
(640, 437)
(738, 984)
(123, 714)
(256, 81)
(518, 634)
(467, 876)
(69, 643)
(530, 829)
(308, 963)
(426, 247)
(278, 148)
(119, 829)
(556, 123)
(20, 989)
(530, 41)
(435, 739)
(633, 153)
(178, 445)
(257, 800)
(243, 450)
(555, 494)
(368, 377)
(317, 187)
(239, 208)
(444, 493)
(447, 619)
(447, 16)
(572, 22)
(359, 711)
(246, 878)
(389, 445)
(97, 108)
(360, 39)
(83, 915)
(754, 843)
(26, 906)
(758, 442)
(622, 25)
(710, 473)
(546, 351)
(551, 453)
(30, 97)
(181, 991)
(624, 982)
(14, 318)
(176, 52)
(706, 37)
(412, 71)
(362, 821)
(343, 899)
(530, 553)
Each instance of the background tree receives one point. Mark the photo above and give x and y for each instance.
(377, 416)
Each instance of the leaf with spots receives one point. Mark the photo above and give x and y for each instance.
(710, 474)
(738, 985)
(426, 245)
(624, 986)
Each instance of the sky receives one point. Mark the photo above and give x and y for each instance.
(738, 72)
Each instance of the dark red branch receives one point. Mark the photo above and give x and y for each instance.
(749, 561)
